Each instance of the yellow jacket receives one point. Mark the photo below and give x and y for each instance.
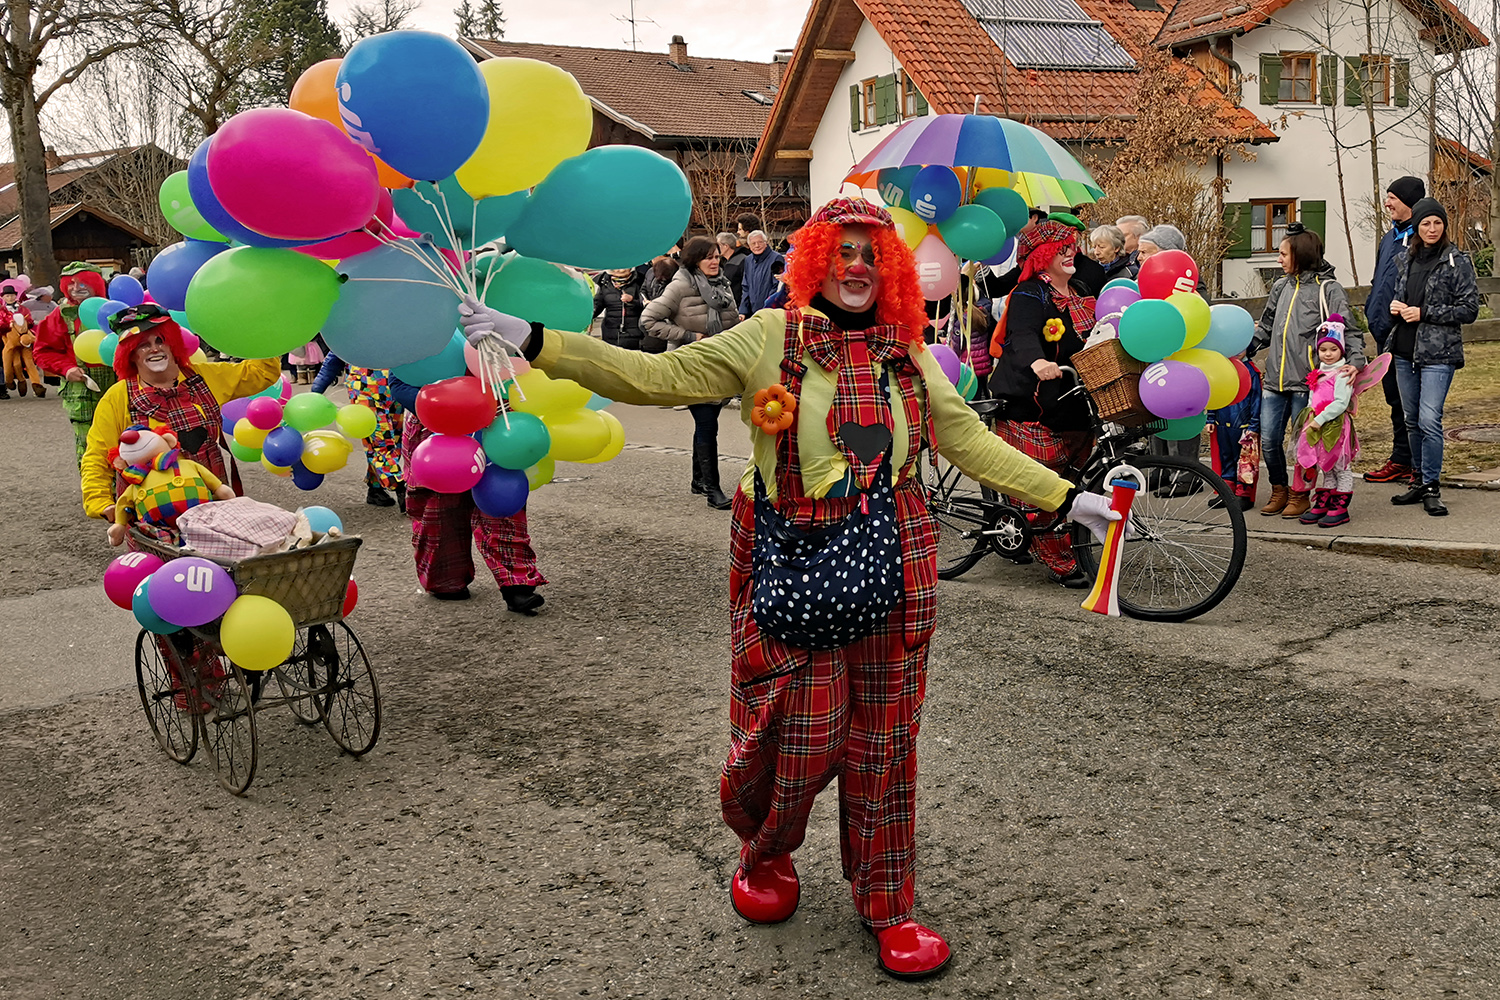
(747, 358)
(225, 380)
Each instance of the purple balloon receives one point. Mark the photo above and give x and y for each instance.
(191, 591)
(501, 492)
(234, 411)
(948, 361)
(1113, 300)
(1174, 389)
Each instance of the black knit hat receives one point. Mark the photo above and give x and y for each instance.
(1425, 207)
(1409, 189)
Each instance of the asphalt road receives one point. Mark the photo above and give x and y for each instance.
(1294, 796)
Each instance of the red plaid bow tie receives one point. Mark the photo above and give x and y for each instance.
(827, 343)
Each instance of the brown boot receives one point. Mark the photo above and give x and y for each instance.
(1297, 503)
(1277, 503)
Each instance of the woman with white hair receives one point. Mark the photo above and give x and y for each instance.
(1107, 246)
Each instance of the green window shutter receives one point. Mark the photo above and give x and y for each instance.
(1401, 81)
(1237, 225)
(1328, 80)
(922, 108)
(856, 109)
(1314, 215)
(886, 100)
(1270, 78)
(1354, 93)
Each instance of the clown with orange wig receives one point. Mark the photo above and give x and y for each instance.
(159, 384)
(845, 397)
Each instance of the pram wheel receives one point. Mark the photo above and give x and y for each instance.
(304, 682)
(165, 697)
(352, 708)
(228, 720)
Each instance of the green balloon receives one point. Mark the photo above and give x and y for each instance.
(517, 440)
(1150, 329)
(1007, 204)
(177, 206)
(88, 312)
(242, 453)
(543, 293)
(973, 232)
(1183, 428)
(255, 302)
(968, 382)
(308, 411)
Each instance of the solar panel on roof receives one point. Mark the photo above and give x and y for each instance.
(1049, 34)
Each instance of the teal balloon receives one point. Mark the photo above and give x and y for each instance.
(598, 402)
(392, 310)
(612, 206)
(968, 382)
(1150, 329)
(973, 232)
(894, 185)
(447, 363)
(1183, 428)
(1230, 328)
(540, 292)
(430, 208)
(275, 390)
(1007, 204)
(519, 444)
(309, 411)
(140, 606)
(88, 312)
(1120, 283)
(107, 347)
(179, 316)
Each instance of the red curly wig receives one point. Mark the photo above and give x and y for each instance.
(124, 360)
(900, 303)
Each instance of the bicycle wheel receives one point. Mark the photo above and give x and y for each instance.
(303, 682)
(352, 711)
(228, 724)
(1009, 533)
(962, 509)
(164, 696)
(1186, 555)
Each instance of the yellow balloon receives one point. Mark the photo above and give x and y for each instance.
(547, 395)
(322, 456)
(1223, 380)
(539, 117)
(616, 439)
(356, 420)
(1195, 313)
(256, 633)
(576, 434)
(909, 226)
(541, 473)
(197, 357)
(990, 177)
(276, 470)
(86, 347)
(331, 439)
(247, 435)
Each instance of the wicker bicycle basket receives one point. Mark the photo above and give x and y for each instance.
(1113, 379)
(310, 583)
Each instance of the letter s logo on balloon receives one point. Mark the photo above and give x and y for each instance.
(925, 208)
(1155, 374)
(134, 559)
(929, 270)
(199, 579)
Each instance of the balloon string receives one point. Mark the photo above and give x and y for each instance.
(407, 247)
(448, 233)
(408, 281)
(457, 244)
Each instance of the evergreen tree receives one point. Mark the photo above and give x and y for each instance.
(486, 19)
(284, 37)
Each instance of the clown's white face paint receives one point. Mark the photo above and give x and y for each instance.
(860, 285)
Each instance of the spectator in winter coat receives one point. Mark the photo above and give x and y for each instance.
(663, 270)
(732, 266)
(761, 268)
(746, 223)
(1402, 194)
(1134, 227)
(618, 298)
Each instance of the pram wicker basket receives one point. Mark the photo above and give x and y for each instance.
(1113, 378)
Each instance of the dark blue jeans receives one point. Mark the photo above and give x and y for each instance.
(1276, 410)
(706, 434)
(1424, 388)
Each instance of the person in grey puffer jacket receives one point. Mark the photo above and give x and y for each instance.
(1300, 300)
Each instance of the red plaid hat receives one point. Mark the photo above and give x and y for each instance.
(1028, 241)
(853, 211)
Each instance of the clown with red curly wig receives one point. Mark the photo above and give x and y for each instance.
(159, 384)
(862, 397)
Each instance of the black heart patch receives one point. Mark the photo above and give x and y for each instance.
(192, 439)
(867, 441)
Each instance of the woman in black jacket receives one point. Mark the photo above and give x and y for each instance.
(617, 296)
(1045, 322)
(1436, 294)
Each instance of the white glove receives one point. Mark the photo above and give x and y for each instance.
(1092, 510)
(480, 322)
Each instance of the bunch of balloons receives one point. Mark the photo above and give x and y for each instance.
(1191, 346)
(931, 214)
(361, 210)
(96, 345)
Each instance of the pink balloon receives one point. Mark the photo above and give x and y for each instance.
(471, 362)
(264, 412)
(291, 176)
(447, 463)
(454, 263)
(190, 340)
(402, 229)
(126, 573)
(361, 239)
(286, 389)
(937, 268)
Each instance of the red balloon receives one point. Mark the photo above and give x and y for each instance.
(351, 597)
(1167, 272)
(458, 406)
(1243, 372)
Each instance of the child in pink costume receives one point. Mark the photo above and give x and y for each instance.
(1325, 438)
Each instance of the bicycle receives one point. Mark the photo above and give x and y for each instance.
(1189, 541)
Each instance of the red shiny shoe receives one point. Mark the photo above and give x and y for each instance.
(911, 951)
(769, 893)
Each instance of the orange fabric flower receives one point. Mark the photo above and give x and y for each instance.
(775, 409)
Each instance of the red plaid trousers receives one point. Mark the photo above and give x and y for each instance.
(799, 718)
(1065, 453)
(441, 525)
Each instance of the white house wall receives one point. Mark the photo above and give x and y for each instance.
(1302, 164)
(835, 148)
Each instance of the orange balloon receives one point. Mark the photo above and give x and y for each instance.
(316, 93)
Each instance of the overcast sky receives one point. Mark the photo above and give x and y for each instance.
(740, 29)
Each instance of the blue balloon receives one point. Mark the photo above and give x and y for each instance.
(935, 193)
(643, 194)
(894, 185)
(421, 204)
(140, 605)
(126, 289)
(173, 270)
(416, 99)
(1004, 254)
(1120, 283)
(447, 363)
(391, 311)
(1230, 329)
(207, 204)
(320, 519)
(304, 478)
(501, 492)
(108, 308)
(283, 448)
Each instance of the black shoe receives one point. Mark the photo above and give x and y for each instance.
(377, 497)
(1433, 502)
(3, 393)
(1414, 495)
(452, 595)
(401, 497)
(522, 600)
(716, 498)
(1075, 580)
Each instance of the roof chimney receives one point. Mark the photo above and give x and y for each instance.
(53, 161)
(778, 65)
(678, 51)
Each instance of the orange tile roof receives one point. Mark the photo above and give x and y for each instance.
(648, 90)
(1194, 19)
(1458, 150)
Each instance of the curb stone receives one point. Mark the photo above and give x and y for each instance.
(1473, 555)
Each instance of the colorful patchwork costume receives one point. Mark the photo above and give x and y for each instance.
(158, 493)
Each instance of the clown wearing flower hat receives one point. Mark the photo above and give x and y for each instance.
(846, 396)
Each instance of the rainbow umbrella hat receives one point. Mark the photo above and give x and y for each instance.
(1031, 159)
